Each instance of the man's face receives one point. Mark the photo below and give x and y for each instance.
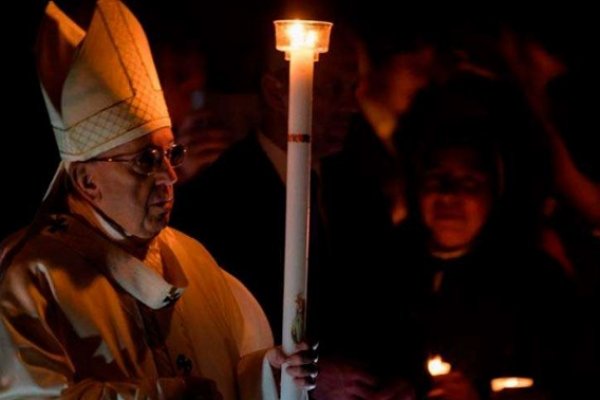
(140, 204)
(455, 198)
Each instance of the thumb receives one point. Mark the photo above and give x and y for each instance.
(276, 357)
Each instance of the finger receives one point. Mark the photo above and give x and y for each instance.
(302, 358)
(302, 346)
(276, 357)
(303, 371)
(307, 383)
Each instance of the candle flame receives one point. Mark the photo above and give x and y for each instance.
(513, 382)
(300, 37)
(436, 366)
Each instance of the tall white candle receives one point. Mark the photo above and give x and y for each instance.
(302, 41)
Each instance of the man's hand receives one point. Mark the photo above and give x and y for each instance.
(301, 365)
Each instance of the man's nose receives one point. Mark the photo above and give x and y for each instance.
(166, 175)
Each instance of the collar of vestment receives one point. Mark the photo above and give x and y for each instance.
(157, 281)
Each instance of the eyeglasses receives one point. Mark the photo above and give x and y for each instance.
(149, 160)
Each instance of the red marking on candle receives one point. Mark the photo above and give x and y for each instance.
(299, 138)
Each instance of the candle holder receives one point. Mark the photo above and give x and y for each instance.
(293, 34)
(302, 42)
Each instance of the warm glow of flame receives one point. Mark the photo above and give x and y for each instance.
(300, 37)
(513, 382)
(295, 34)
(436, 366)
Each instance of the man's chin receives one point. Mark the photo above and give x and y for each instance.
(451, 240)
(157, 223)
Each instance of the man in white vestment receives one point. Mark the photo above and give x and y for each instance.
(98, 297)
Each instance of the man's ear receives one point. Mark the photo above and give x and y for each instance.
(82, 177)
(274, 92)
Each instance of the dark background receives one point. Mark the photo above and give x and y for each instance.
(231, 33)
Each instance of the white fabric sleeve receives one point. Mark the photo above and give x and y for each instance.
(255, 375)
(257, 331)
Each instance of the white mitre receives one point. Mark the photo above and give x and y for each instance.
(100, 87)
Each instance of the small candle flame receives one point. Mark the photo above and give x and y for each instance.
(512, 382)
(296, 34)
(436, 366)
(300, 37)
